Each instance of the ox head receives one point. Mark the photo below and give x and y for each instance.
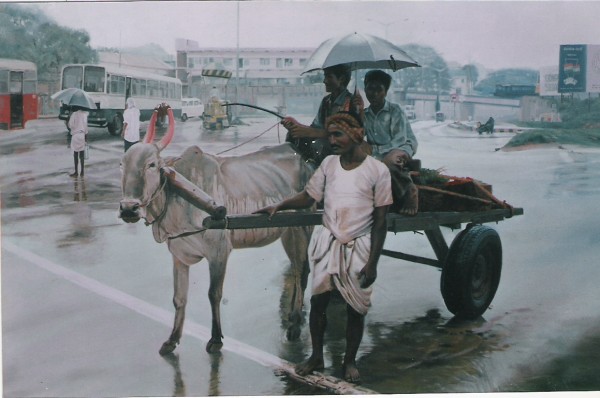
(141, 180)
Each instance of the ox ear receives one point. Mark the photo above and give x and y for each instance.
(162, 144)
(151, 131)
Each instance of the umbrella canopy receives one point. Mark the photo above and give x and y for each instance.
(361, 51)
(75, 97)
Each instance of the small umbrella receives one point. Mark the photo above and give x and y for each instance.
(360, 51)
(75, 97)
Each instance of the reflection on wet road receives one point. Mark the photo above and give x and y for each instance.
(62, 338)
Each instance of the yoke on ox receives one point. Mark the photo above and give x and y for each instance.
(174, 195)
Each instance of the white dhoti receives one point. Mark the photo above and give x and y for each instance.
(335, 265)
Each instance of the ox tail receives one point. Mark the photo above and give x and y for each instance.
(149, 138)
(170, 132)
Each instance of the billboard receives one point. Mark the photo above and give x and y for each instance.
(549, 81)
(579, 68)
(593, 69)
(572, 68)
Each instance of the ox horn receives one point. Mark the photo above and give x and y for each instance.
(150, 132)
(162, 144)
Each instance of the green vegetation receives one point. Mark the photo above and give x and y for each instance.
(580, 125)
(584, 137)
(27, 34)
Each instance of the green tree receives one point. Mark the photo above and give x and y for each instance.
(433, 76)
(30, 35)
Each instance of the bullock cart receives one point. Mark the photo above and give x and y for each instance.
(470, 266)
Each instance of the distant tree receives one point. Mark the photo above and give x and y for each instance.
(487, 86)
(433, 76)
(472, 74)
(29, 35)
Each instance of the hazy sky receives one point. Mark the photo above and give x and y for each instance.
(497, 34)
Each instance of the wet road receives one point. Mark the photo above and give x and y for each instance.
(86, 299)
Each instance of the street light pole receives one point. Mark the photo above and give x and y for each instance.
(385, 25)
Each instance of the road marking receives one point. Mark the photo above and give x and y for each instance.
(191, 328)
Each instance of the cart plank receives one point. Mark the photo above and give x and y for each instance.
(396, 222)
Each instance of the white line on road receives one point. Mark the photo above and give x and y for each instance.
(191, 328)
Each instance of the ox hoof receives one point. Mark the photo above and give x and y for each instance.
(293, 333)
(167, 347)
(214, 345)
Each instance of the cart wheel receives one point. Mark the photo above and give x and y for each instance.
(471, 274)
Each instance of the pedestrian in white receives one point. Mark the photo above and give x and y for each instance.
(79, 129)
(131, 124)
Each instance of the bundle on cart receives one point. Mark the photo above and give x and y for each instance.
(441, 192)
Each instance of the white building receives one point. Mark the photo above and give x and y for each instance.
(269, 77)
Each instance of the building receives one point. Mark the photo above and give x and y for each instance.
(267, 77)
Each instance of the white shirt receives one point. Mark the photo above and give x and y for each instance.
(350, 196)
(131, 117)
(79, 128)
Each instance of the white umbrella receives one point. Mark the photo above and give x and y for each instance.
(360, 51)
(75, 97)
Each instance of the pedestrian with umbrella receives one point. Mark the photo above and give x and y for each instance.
(80, 103)
(78, 129)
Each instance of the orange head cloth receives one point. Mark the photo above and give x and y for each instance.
(348, 124)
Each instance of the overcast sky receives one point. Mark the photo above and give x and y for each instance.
(496, 34)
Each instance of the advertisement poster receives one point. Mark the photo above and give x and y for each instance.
(549, 81)
(571, 73)
(593, 69)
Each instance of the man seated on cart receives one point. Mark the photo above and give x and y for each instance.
(344, 252)
(391, 138)
(311, 141)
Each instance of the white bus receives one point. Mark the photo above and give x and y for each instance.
(110, 87)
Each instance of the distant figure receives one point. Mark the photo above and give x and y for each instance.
(131, 124)
(79, 129)
(214, 94)
(488, 127)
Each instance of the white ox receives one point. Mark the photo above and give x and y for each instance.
(243, 184)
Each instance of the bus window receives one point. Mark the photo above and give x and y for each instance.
(152, 88)
(3, 81)
(117, 84)
(16, 82)
(138, 87)
(94, 79)
(72, 77)
(164, 90)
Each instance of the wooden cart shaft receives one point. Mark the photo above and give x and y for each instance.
(429, 222)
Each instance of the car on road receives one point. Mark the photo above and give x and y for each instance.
(440, 117)
(191, 107)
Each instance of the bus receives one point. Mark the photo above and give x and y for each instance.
(18, 93)
(110, 86)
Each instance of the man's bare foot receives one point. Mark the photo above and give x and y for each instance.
(351, 373)
(411, 202)
(73, 175)
(309, 366)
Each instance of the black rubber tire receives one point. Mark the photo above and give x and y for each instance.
(184, 117)
(115, 125)
(471, 274)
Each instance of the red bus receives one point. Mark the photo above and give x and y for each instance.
(18, 93)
